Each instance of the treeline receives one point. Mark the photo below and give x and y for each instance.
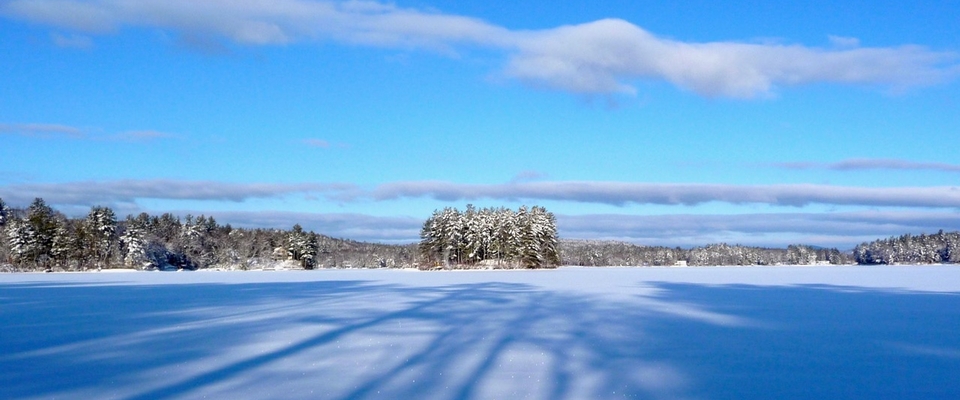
(910, 249)
(609, 253)
(40, 238)
(494, 237)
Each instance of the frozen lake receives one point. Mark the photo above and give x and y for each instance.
(571, 333)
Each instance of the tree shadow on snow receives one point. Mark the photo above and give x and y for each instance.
(358, 339)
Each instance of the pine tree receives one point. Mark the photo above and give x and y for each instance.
(546, 235)
(19, 236)
(308, 258)
(64, 246)
(431, 243)
(452, 222)
(133, 241)
(101, 226)
(43, 227)
(527, 244)
(297, 243)
(471, 235)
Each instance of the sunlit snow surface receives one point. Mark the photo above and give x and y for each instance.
(572, 333)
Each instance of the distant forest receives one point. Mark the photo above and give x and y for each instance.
(40, 238)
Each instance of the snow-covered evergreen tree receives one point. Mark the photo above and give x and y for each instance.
(66, 245)
(545, 231)
(302, 246)
(528, 243)
(133, 241)
(431, 239)
(308, 256)
(43, 227)
(101, 225)
(19, 237)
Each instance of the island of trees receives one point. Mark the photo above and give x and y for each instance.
(38, 238)
(497, 237)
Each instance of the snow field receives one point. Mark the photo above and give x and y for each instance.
(570, 333)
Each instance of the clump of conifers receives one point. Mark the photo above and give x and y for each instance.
(490, 238)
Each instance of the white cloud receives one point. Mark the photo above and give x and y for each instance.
(605, 56)
(602, 57)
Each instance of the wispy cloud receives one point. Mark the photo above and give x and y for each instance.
(600, 57)
(323, 144)
(623, 193)
(54, 131)
(141, 136)
(42, 130)
(73, 41)
(872, 164)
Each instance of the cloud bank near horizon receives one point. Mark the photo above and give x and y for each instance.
(604, 57)
(129, 191)
(841, 230)
(624, 193)
(596, 192)
(834, 229)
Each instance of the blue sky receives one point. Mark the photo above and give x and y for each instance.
(826, 123)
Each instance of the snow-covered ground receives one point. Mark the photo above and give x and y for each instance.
(571, 333)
